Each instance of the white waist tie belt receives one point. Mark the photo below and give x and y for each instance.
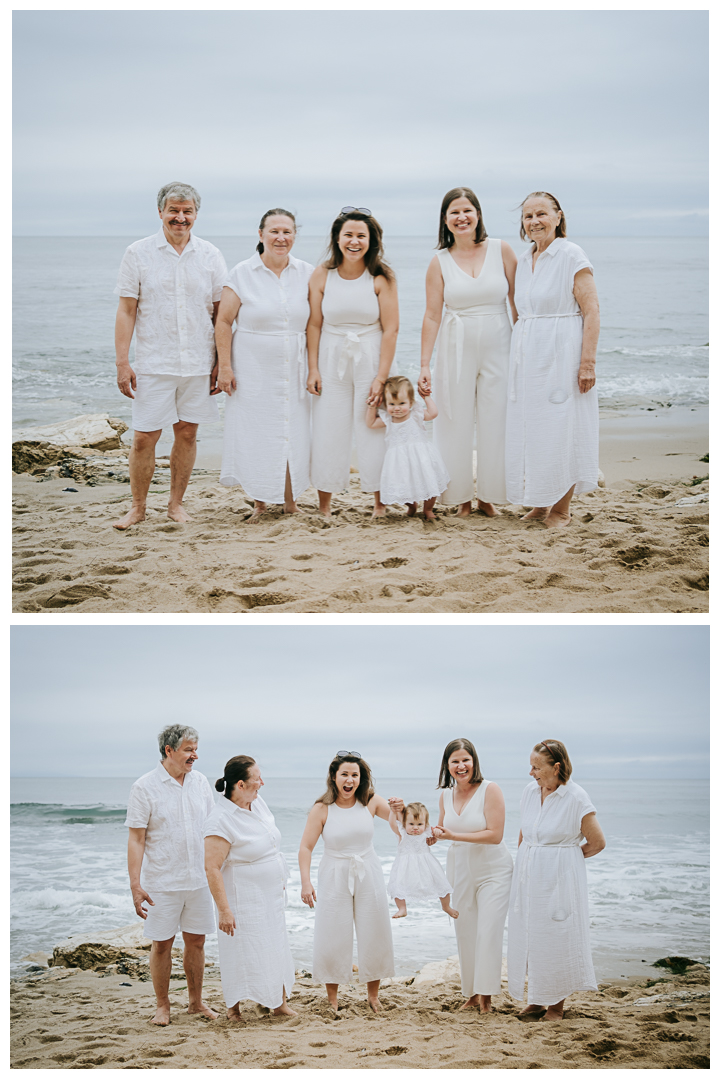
(352, 347)
(560, 900)
(519, 353)
(455, 318)
(356, 871)
(301, 340)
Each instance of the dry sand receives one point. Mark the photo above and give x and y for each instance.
(630, 548)
(72, 1019)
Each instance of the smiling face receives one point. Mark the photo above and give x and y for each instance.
(461, 765)
(540, 219)
(178, 217)
(398, 404)
(354, 241)
(182, 759)
(347, 779)
(278, 234)
(544, 771)
(248, 790)
(461, 217)
(415, 824)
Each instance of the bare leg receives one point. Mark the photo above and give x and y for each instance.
(555, 1012)
(538, 513)
(160, 968)
(412, 509)
(445, 905)
(331, 990)
(290, 504)
(233, 1013)
(142, 467)
(284, 1009)
(379, 508)
(464, 509)
(194, 964)
(487, 508)
(259, 510)
(324, 498)
(558, 517)
(182, 459)
(401, 909)
(428, 509)
(373, 988)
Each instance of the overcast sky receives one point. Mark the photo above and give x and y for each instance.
(627, 701)
(312, 110)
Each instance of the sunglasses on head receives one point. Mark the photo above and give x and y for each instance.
(349, 754)
(356, 210)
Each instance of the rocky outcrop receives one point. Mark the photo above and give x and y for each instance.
(36, 448)
(125, 945)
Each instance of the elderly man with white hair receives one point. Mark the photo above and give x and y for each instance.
(167, 810)
(169, 286)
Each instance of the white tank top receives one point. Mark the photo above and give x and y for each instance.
(350, 304)
(488, 289)
(348, 831)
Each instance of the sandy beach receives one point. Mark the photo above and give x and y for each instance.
(630, 547)
(68, 1018)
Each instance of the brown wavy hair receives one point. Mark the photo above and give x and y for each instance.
(558, 755)
(560, 229)
(375, 257)
(365, 790)
(445, 237)
(445, 779)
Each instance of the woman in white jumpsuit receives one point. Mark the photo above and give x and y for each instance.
(549, 921)
(247, 875)
(469, 285)
(479, 867)
(351, 886)
(351, 339)
(552, 412)
(266, 447)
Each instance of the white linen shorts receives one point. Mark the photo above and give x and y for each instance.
(190, 911)
(161, 400)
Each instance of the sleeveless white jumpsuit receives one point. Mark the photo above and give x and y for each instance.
(481, 875)
(471, 376)
(351, 888)
(348, 359)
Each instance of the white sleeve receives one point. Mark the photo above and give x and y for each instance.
(219, 277)
(128, 279)
(139, 809)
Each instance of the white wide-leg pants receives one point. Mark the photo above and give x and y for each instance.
(481, 893)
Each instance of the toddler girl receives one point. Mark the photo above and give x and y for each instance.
(413, 470)
(416, 874)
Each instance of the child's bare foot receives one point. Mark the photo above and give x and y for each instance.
(428, 509)
(401, 909)
(134, 516)
(538, 513)
(487, 509)
(445, 905)
(412, 509)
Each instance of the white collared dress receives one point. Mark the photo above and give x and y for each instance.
(549, 922)
(351, 888)
(552, 429)
(255, 963)
(267, 419)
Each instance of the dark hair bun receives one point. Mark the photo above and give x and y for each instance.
(220, 784)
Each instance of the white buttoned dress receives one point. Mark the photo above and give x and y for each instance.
(481, 875)
(348, 360)
(267, 419)
(471, 377)
(255, 963)
(351, 888)
(552, 429)
(549, 922)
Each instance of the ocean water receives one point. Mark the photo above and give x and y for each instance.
(649, 889)
(653, 296)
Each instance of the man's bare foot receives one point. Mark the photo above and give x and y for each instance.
(162, 1016)
(178, 513)
(487, 509)
(284, 1010)
(203, 1010)
(556, 520)
(471, 1003)
(412, 509)
(234, 1013)
(134, 516)
(378, 512)
(555, 1012)
(533, 1011)
(464, 509)
(538, 513)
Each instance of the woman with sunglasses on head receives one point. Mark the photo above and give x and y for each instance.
(351, 887)
(351, 338)
(469, 284)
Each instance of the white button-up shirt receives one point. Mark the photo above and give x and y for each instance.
(173, 816)
(174, 332)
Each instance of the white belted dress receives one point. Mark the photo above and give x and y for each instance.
(480, 875)
(351, 888)
(267, 419)
(552, 429)
(549, 922)
(348, 360)
(255, 963)
(471, 377)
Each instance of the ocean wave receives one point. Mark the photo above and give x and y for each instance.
(56, 813)
(68, 901)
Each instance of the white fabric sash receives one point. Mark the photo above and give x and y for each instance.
(455, 318)
(519, 353)
(356, 871)
(352, 347)
(301, 341)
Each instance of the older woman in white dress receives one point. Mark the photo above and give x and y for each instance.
(552, 414)
(247, 875)
(549, 922)
(266, 445)
(469, 285)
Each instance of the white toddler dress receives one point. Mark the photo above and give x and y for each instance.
(416, 874)
(413, 470)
